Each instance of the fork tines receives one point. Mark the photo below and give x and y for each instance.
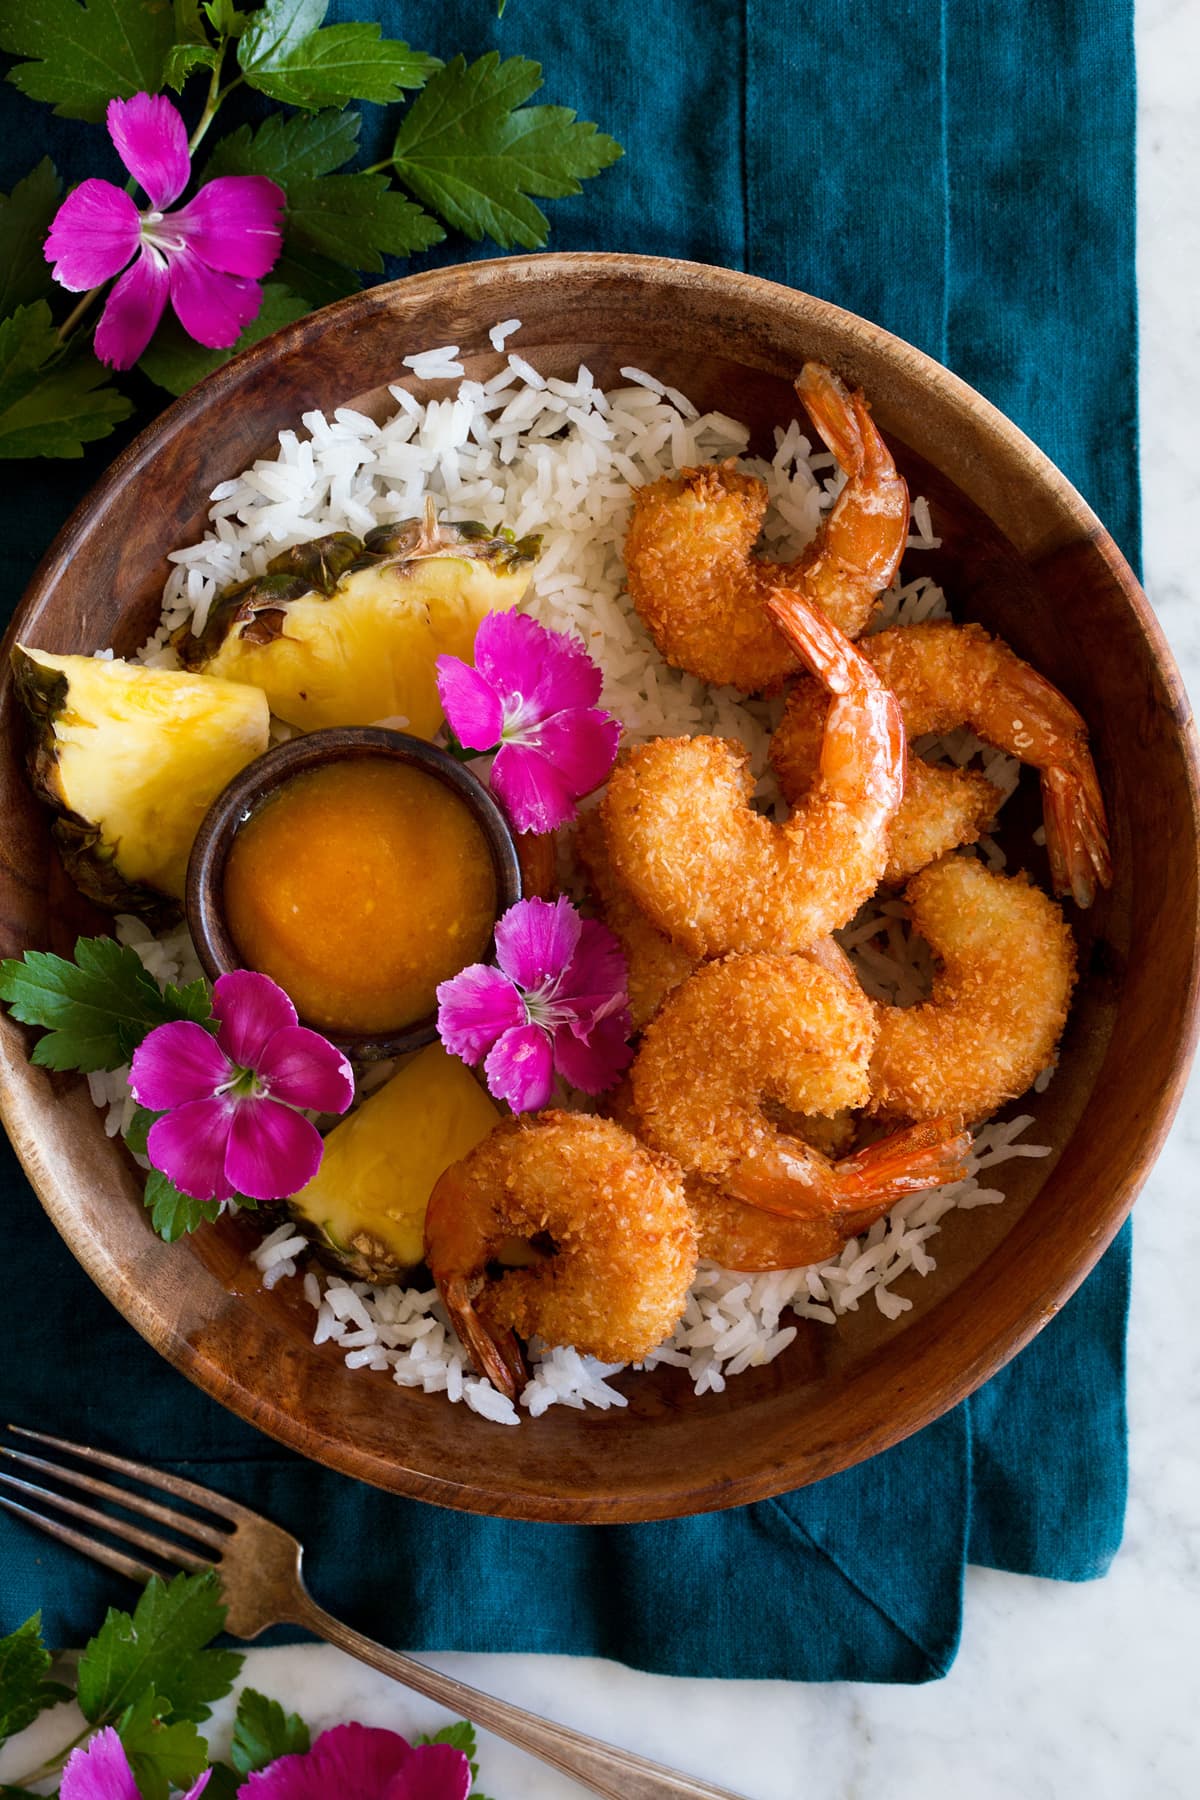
(35, 1498)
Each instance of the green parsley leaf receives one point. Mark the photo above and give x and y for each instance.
(25, 217)
(50, 408)
(318, 278)
(174, 1214)
(471, 150)
(288, 147)
(162, 1756)
(185, 59)
(223, 1783)
(83, 55)
(262, 1731)
(284, 54)
(162, 1646)
(97, 1009)
(225, 18)
(331, 220)
(357, 220)
(24, 1690)
(176, 362)
(139, 1129)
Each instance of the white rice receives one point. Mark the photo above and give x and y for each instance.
(559, 457)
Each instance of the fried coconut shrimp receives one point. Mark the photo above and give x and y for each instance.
(624, 1243)
(999, 1003)
(654, 963)
(755, 1029)
(717, 876)
(941, 808)
(699, 589)
(946, 675)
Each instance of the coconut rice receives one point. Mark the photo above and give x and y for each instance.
(558, 457)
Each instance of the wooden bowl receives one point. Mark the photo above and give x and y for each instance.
(236, 805)
(1020, 551)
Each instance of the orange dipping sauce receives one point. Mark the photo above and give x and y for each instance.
(358, 887)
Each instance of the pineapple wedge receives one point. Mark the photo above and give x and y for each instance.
(366, 1203)
(347, 632)
(131, 759)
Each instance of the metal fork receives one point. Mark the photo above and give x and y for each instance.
(259, 1569)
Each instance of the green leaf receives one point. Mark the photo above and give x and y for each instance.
(25, 217)
(96, 1009)
(163, 1646)
(174, 1214)
(176, 362)
(50, 408)
(162, 1756)
(288, 147)
(284, 54)
(24, 1690)
(185, 59)
(139, 1129)
(225, 18)
(318, 278)
(471, 151)
(357, 220)
(84, 55)
(262, 1731)
(223, 1783)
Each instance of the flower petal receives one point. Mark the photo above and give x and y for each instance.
(176, 1063)
(546, 670)
(249, 1010)
(594, 1062)
(131, 314)
(596, 982)
(475, 1007)
(520, 1068)
(273, 1151)
(305, 1069)
(535, 941)
(214, 309)
(582, 745)
(99, 1771)
(152, 141)
(530, 789)
(351, 1762)
(470, 703)
(234, 224)
(198, 1786)
(432, 1772)
(95, 232)
(190, 1144)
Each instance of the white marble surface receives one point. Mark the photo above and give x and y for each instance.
(1058, 1692)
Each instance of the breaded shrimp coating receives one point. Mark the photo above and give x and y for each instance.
(1000, 997)
(624, 1242)
(750, 1030)
(945, 675)
(714, 874)
(698, 587)
(941, 808)
(654, 963)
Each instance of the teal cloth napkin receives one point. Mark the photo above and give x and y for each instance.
(963, 175)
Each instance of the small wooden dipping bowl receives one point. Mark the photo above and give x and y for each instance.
(260, 781)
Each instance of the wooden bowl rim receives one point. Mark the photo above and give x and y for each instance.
(902, 1406)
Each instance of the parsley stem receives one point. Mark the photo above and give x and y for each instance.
(376, 168)
(77, 311)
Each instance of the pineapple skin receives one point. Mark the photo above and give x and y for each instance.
(344, 631)
(365, 1207)
(97, 725)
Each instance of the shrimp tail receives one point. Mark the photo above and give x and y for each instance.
(495, 1354)
(824, 649)
(846, 673)
(921, 1156)
(1076, 831)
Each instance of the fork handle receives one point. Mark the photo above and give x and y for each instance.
(604, 1768)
